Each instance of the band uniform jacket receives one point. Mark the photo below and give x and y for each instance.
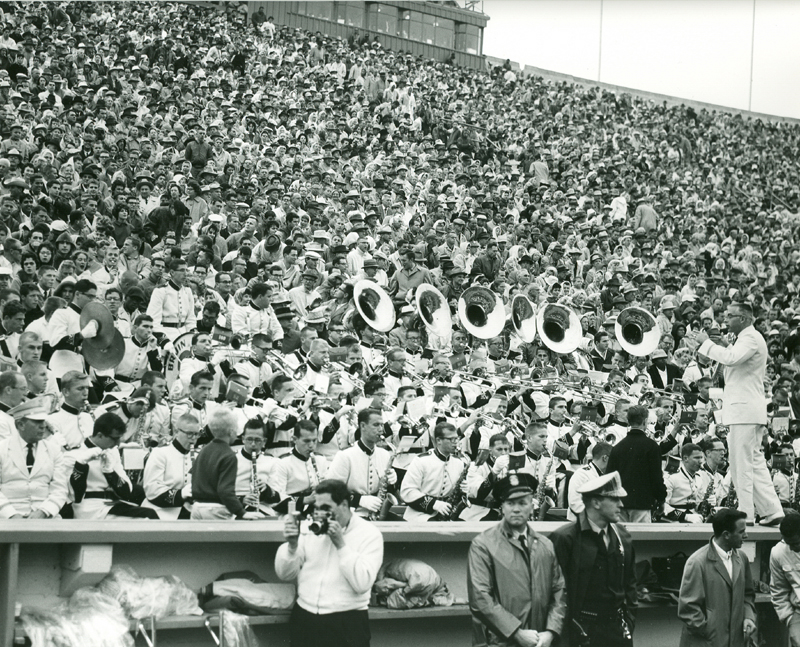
(745, 362)
(43, 488)
(430, 477)
(295, 474)
(712, 605)
(166, 472)
(577, 556)
(509, 589)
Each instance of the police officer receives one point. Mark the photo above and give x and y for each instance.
(597, 557)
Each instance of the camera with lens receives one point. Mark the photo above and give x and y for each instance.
(319, 527)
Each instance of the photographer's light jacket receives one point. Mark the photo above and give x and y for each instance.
(784, 566)
(331, 580)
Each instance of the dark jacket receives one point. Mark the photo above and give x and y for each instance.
(637, 458)
(165, 218)
(673, 373)
(576, 553)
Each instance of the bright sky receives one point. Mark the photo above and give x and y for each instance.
(694, 49)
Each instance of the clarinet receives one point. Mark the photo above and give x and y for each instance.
(541, 511)
(383, 492)
(188, 465)
(704, 507)
(254, 478)
(796, 495)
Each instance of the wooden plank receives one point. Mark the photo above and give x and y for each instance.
(111, 531)
(9, 565)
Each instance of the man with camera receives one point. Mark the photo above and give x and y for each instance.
(335, 567)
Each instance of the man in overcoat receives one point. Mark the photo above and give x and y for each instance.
(598, 560)
(517, 594)
(717, 598)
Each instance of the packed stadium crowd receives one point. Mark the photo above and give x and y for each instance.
(239, 259)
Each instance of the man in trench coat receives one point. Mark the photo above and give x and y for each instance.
(517, 593)
(717, 598)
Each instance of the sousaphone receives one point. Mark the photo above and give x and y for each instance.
(523, 317)
(481, 312)
(434, 311)
(374, 305)
(559, 328)
(637, 331)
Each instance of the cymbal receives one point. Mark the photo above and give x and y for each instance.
(104, 357)
(105, 322)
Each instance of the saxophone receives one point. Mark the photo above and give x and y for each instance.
(704, 507)
(541, 507)
(457, 499)
(731, 500)
(383, 491)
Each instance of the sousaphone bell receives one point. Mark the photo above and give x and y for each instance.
(559, 328)
(374, 305)
(523, 317)
(434, 311)
(637, 331)
(481, 312)
(107, 348)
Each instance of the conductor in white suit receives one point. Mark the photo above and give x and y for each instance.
(744, 410)
(33, 469)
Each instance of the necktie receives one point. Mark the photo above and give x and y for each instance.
(604, 538)
(29, 458)
(524, 543)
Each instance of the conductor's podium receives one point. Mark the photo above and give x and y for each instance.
(41, 560)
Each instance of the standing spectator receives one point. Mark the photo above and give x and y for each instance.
(784, 562)
(717, 598)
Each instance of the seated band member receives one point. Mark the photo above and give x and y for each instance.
(296, 475)
(36, 376)
(214, 474)
(13, 388)
(255, 367)
(141, 353)
(255, 493)
(167, 473)
(33, 469)
(596, 468)
(362, 465)
(98, 485)
(482, 478)
(687, 487)
(198, 401)
(432, 478)
(785, 478)
(72, 423)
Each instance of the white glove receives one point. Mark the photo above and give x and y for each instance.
(464, 487)
(86, 454)
(186, 491)
(371, 503)
(441, 507)
(90, 330)
(253, 516)
(392, 478)
(500, 464)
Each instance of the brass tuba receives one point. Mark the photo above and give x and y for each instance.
(481, 312)
(434, 311)
(637, 331)
(374, 305)
(523, 317)
(559, 328)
